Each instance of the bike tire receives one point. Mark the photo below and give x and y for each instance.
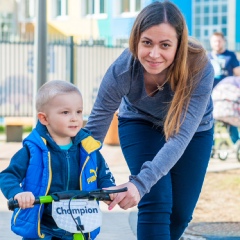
(223, 150)
(238, 153)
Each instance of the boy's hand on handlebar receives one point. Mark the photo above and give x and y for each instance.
(25, 199)
(126, 199)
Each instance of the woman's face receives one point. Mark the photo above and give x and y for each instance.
(157, 48)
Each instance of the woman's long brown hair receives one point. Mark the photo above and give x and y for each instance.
(185, 72)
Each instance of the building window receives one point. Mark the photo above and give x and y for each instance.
(130, 6)
(95, 7)
(61, 7)
(206, 20)
(224, 19)
(29, 9)
(197, 33)
(198, 9)
(224, 31)
(215, 9)
(125, 6)
(102, 8)
(215, 20)
(197, 21)
(224, 8)
(6, 25)
(206, 9)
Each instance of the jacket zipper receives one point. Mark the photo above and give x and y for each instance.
(68, 169)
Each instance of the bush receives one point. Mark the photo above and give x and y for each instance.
(2, 129)
(26, 129)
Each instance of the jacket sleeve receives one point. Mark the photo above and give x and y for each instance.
(12, 177)
(105, 178)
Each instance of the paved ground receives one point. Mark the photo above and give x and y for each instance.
(117, 224)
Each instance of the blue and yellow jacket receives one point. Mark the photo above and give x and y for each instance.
(50, 169)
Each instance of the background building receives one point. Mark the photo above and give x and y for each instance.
(109, 21)
(209, 16)
(84, 38)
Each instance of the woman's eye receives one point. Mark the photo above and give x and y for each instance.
(65, 112)
(146, 43)
(165, 45)
(79, 112)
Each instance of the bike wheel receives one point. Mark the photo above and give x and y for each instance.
(223, 150)
(213, 152)
(238, 153)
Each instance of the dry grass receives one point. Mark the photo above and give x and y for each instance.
(220, 198)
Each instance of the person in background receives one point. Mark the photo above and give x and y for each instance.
(225, 64)
(58, 155)
(161, 86)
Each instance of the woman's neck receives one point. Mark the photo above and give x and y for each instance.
(154, 79)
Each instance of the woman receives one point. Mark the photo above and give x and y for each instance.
(162, 87)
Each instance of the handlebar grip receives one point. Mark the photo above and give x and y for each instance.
(103, 194)
(12, 204)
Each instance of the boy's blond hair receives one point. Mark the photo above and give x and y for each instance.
(51, 89)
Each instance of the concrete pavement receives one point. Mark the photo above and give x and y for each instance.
(117, 223)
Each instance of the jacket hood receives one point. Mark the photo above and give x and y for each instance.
(43, 132)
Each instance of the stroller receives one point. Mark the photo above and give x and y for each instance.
(226, 101)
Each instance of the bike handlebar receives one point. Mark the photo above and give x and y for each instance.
(99, 195)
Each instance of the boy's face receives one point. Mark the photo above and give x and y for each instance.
(63, 116)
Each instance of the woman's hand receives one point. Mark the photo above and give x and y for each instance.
(127, 199)
(25, 199)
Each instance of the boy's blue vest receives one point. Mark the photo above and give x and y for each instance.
(26, 223)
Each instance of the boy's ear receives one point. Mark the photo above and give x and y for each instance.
(42, 118)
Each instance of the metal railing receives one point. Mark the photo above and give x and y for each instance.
(80, 61)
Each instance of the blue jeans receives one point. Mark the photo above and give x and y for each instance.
(50, 233)
(164, 213)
